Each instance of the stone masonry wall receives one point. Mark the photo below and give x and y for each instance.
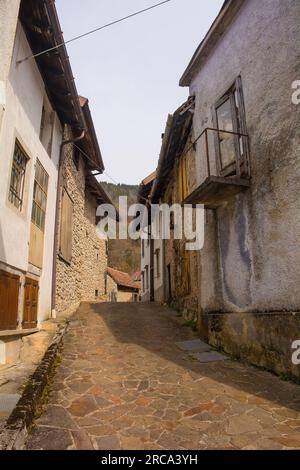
(95, 256)
(78, 281)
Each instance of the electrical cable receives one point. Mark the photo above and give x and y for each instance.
(93, 31)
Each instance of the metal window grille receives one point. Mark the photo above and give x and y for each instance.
(16, 189)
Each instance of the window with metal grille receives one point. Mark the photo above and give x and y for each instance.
(16, 189)
(40, 191)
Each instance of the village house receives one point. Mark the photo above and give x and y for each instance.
(121, 287)
(175, 176)
(151, 250)
(40, 112)
(240, 163)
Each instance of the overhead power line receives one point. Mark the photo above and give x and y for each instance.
(94, 31)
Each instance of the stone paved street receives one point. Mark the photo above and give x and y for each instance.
(124, 384)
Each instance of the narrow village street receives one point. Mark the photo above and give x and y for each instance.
(123, 383)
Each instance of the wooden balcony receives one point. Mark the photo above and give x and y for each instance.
(215, 189)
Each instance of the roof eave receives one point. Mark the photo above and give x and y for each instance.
(219, 26)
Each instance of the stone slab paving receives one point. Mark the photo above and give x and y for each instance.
(195, 345)
(211, 356)
(123, 383)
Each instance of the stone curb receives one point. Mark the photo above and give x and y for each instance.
(15, 431)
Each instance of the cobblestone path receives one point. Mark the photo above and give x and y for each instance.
(124, 384)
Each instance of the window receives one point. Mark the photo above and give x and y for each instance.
(143, 281)
(66, 227)
(47, 126)
(96, 293)
(16, 189)
(157, 262)
(143, 248)
(186, 274)
(229, 116)
(39, 205)
(147, 278)
(182, 175)
(105, 284)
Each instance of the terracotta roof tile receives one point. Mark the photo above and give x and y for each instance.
(122, 279)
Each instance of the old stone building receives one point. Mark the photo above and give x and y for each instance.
(247, 170)
(121, 287)
(81, 261)
(175, 177)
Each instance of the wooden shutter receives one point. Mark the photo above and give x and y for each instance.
(31, 296)
(182, 175)
(9, 300)
(66, 227)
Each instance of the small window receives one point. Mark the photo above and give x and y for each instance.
(105, 284)
(96, 293)
(143, 248)
(47, 126)
(157, 262)
(39, 205)
(147, 278)
(17, 180)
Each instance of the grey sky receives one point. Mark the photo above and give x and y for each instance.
(130, 72)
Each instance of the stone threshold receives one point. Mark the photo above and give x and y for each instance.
(19, 333)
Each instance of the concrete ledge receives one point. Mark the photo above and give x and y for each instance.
(16, 429)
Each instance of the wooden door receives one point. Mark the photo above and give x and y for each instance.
(9, 300)
(31, 295)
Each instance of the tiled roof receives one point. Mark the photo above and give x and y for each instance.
(122, 279)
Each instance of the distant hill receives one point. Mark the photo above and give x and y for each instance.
(123, 255)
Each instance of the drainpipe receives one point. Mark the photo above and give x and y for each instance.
(56, 227)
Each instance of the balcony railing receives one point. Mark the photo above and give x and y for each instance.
(224, 167)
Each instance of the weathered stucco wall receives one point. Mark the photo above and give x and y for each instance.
(114, 294)
(78, 281)
(257, 234)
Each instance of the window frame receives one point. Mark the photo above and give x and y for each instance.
(44, 191)
(157, 262)
(240, 167)
(14, 195)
